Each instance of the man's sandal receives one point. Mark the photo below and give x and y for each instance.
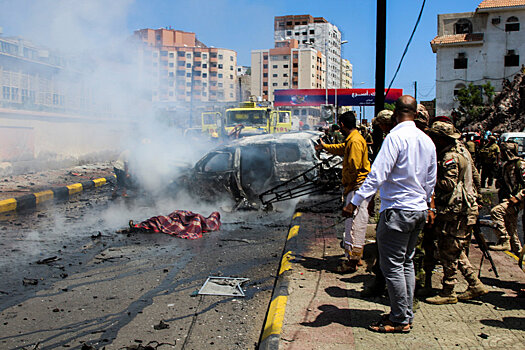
(387, 326)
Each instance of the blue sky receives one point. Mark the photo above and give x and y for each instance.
(243, 26)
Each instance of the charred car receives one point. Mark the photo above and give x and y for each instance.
(246, 168)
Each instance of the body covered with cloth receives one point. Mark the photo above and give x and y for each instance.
(181, 223)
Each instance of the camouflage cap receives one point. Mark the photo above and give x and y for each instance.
(422, 115)
(383, 117)
(444, 129)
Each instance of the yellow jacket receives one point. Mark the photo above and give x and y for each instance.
(356, 165)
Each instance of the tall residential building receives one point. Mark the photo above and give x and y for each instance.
(347, 75)
(185, 69)
(316, 33)
(286, 67)
(487, 45)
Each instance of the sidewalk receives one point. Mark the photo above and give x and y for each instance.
(324, 310)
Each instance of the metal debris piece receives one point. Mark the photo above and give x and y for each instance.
(228, 286)
(48, 260)
(161, 325)
(29, 282)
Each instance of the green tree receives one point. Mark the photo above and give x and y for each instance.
(390, 106)
(473, 99)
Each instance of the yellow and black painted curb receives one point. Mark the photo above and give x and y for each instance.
(31, 200)
(273, 322)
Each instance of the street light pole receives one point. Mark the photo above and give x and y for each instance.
(340, 76)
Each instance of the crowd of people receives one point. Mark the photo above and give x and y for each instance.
(429, 188)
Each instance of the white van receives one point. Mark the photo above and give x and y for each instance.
(517, 137)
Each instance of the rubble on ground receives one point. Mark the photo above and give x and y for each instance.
(507, 112)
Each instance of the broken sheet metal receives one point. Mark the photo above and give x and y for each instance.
(181, 223)
(227, 286)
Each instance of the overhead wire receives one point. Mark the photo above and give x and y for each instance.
(406, 48)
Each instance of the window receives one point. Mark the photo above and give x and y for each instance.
(265, 66)
(265, 75)
(295, 65)
(463, 26)
(286, 153)
(204, 56)
(220, 57)
(217, 162)
(265, 92)
(171, 64)
(288, 32)
(312, 31)
(188, 75)
(204, 75)
(180, 54)
(512, 24)
(457, 88)
(295, 55)
(197, 54)
(171, 55)
(170, 74)
(204, 65)
(213, 55)
(312, 40)
(220, 75)
(511, 59)
(274, 84)
(231, 76)
(274, 66)
(164, 53)
(6, 92)
(285, 83)
(220, 84)
(461, 61)
(188, 84)
(265, 83)
(157, 37)
(220, 65)
(188, 65)
(274, 75)
(231, 58)
(285, 75)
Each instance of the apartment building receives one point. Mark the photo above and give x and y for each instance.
(487, 45)
(186, 70)
(346, 79)
(316, 33)
(287, 66)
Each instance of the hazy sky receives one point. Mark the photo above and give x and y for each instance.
(244, 25)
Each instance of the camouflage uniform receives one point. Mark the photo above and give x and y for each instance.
(488, 155)
(505, 215)
(455, 199)
(471, 146)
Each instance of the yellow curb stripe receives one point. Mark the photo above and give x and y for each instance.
(99, 182)
(7, 205)
(296, 215)
(75, 188)
(274, 322)
(512, 255)
(285, 262)
(294, 230)
(43, 196)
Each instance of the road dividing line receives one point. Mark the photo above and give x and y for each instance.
(7, 205)
(74, 188)
(43, 196)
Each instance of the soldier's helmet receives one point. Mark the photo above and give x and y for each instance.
(422, 115)
(383, 117)
(444, 129)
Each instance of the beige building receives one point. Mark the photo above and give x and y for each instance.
(347, 71)
(286, 67)
(184, 69)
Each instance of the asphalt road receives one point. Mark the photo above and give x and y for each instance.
(101, 289)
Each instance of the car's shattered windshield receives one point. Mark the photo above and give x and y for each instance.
(246, 117)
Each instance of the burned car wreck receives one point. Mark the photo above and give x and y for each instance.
(252, 169)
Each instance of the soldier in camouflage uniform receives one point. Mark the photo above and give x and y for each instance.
(489, 160)
(505, 214)
(457, 211)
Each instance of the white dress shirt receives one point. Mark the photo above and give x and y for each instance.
(404, 170)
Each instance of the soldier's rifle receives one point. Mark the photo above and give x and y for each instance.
(483, 246)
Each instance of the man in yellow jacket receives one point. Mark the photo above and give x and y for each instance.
(356, 167)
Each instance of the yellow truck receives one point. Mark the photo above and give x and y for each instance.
(246, 120)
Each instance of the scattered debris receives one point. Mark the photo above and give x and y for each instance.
(161, 325)
(483, 335)
(48, 260)
(75, 174)
(237, 240)
(97, 235)
(228, 286)
(29, 282)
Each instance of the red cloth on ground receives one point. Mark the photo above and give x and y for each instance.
(183, 224)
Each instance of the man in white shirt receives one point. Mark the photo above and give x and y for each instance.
(404, 171)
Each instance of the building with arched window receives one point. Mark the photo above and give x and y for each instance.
(487, 45)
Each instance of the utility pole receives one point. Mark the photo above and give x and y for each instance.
(380, 56)
(415, 90)
(379, 105)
